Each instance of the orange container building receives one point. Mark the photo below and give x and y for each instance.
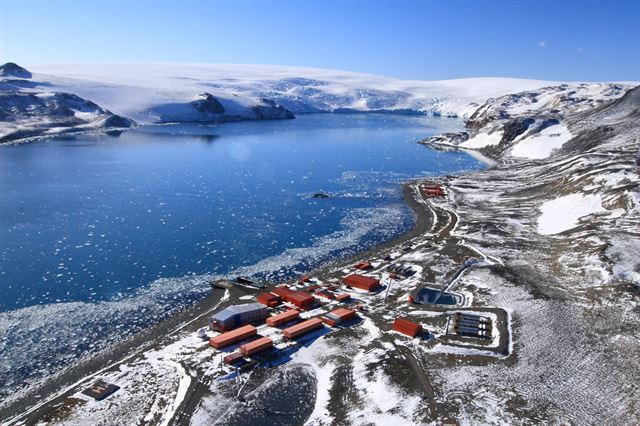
(407, 327)
(361, 282)
(298, 298)
(232, 358)
(302, 328)
(343, 297)
(268, 299)
(256, 346)
(337, 316)
(231, 337)
(362, 266)
(282, 318)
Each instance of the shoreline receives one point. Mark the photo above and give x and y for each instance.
(59, 387)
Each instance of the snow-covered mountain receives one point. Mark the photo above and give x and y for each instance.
(157, 93)
(136, 91)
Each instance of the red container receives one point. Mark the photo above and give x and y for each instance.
(337, 316)
(362, 266)
(361, 282)
(298, 298)
(407, 327)
(282, 318)
(256, 346)
(325, 294)
(268, 299)
(302, 328)
(232, 358)
(231, 337)
(343, 297)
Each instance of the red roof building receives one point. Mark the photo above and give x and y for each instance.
(231, 337)
(337, 316)
(363, 266)
(298, 298)
(256, 346)
(406, 327)
(302, 328)
(361, 282)
(282, 318)
(343, 297)
(268, 299)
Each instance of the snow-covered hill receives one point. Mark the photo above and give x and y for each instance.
(529, 124)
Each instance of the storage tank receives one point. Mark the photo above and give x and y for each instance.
(236, 315)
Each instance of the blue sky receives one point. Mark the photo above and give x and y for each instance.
(559, 40)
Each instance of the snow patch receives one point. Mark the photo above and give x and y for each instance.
(542, 144)
(563, 213)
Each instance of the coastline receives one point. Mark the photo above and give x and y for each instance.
(59, 387)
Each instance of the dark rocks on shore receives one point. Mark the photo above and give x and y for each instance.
(117, 121)
(270, 110)
(447, 139)
(208, 105)
(11, 69)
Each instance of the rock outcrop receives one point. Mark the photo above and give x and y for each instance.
(11, 69)
(26, 115)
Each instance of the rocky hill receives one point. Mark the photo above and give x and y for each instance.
(28, 109)
(11, 69)
(208, 108)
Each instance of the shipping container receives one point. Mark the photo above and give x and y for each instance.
(407, 327)
(343, 297)
(362, 266)
(268, 299)
(362, 282)
(256, 346)
(302, 328)
(326, 294)
(298, 298)
(236, 315)
(337, 316)
(282, 318)
(231, 337)
(232, 358)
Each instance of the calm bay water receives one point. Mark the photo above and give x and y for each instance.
(131, 227)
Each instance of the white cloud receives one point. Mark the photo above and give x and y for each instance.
(542, 44)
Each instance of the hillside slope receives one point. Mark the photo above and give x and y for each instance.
(566, 223)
